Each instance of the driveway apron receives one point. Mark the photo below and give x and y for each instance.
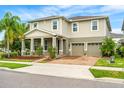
(61, 70)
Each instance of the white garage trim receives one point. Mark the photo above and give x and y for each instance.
(85, 46)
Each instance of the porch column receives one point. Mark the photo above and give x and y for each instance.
(54, 42)
(85, 48)
(67, 46)
(42, 44)
(23, 47)
(32, 46)
(61, 46)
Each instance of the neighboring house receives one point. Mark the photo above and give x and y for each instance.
(76, 36)
(118, 38)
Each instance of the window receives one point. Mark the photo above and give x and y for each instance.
(55, 24)
(74, 27)
(94, 25)
(35, 25)
(46, 45)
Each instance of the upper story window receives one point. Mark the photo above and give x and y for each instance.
(35, 25)
(55, 24)
(74, 27)
(94, 25)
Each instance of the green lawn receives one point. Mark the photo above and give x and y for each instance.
(107, 73)
(16, 60)
(12, 65)
(119, 62)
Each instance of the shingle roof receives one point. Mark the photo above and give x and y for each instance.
(85, 17)
(46, 18)
(69, 19)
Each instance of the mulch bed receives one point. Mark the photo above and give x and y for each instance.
(27, 57)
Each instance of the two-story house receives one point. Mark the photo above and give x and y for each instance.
(76, 36)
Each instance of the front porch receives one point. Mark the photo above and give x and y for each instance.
(45, 40)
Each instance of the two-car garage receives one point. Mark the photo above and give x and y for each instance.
(90, 49)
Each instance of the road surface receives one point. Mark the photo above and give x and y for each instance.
(10, 79)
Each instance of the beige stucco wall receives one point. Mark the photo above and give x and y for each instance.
(47, 25)
(36, 34)
(65, 28)
(85, 29)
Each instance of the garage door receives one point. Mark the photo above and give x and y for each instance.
(93, 49)
(78, 49)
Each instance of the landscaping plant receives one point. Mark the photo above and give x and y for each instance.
(52, 52)
(39, 51)
(120, 51)
(108, 47)
(14, 54)
(3, 55)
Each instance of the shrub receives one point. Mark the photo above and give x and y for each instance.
(14, 54)
(3, 55)
(52, 52)
(39, 51)
(27, 51)
(120, 51)
(108, 47)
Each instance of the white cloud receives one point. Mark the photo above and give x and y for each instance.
(112, 8)
(63, 10)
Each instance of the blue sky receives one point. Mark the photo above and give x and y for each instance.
(29, 12)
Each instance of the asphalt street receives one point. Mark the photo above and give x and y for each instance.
(10, 79)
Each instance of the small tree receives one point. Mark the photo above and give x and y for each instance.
(52, 52)
(108, 47)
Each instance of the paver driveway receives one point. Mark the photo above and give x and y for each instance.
(81, 60)
(62, 70)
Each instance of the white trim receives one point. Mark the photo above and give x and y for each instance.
(105, 30)
(52, 24)
(97, 25)
(70, 49)
(85, 46)
(77, 27)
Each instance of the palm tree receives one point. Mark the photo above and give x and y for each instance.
(9, 24)
(23, 27)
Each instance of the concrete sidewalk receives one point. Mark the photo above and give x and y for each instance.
(62, 70)
(107, 68)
